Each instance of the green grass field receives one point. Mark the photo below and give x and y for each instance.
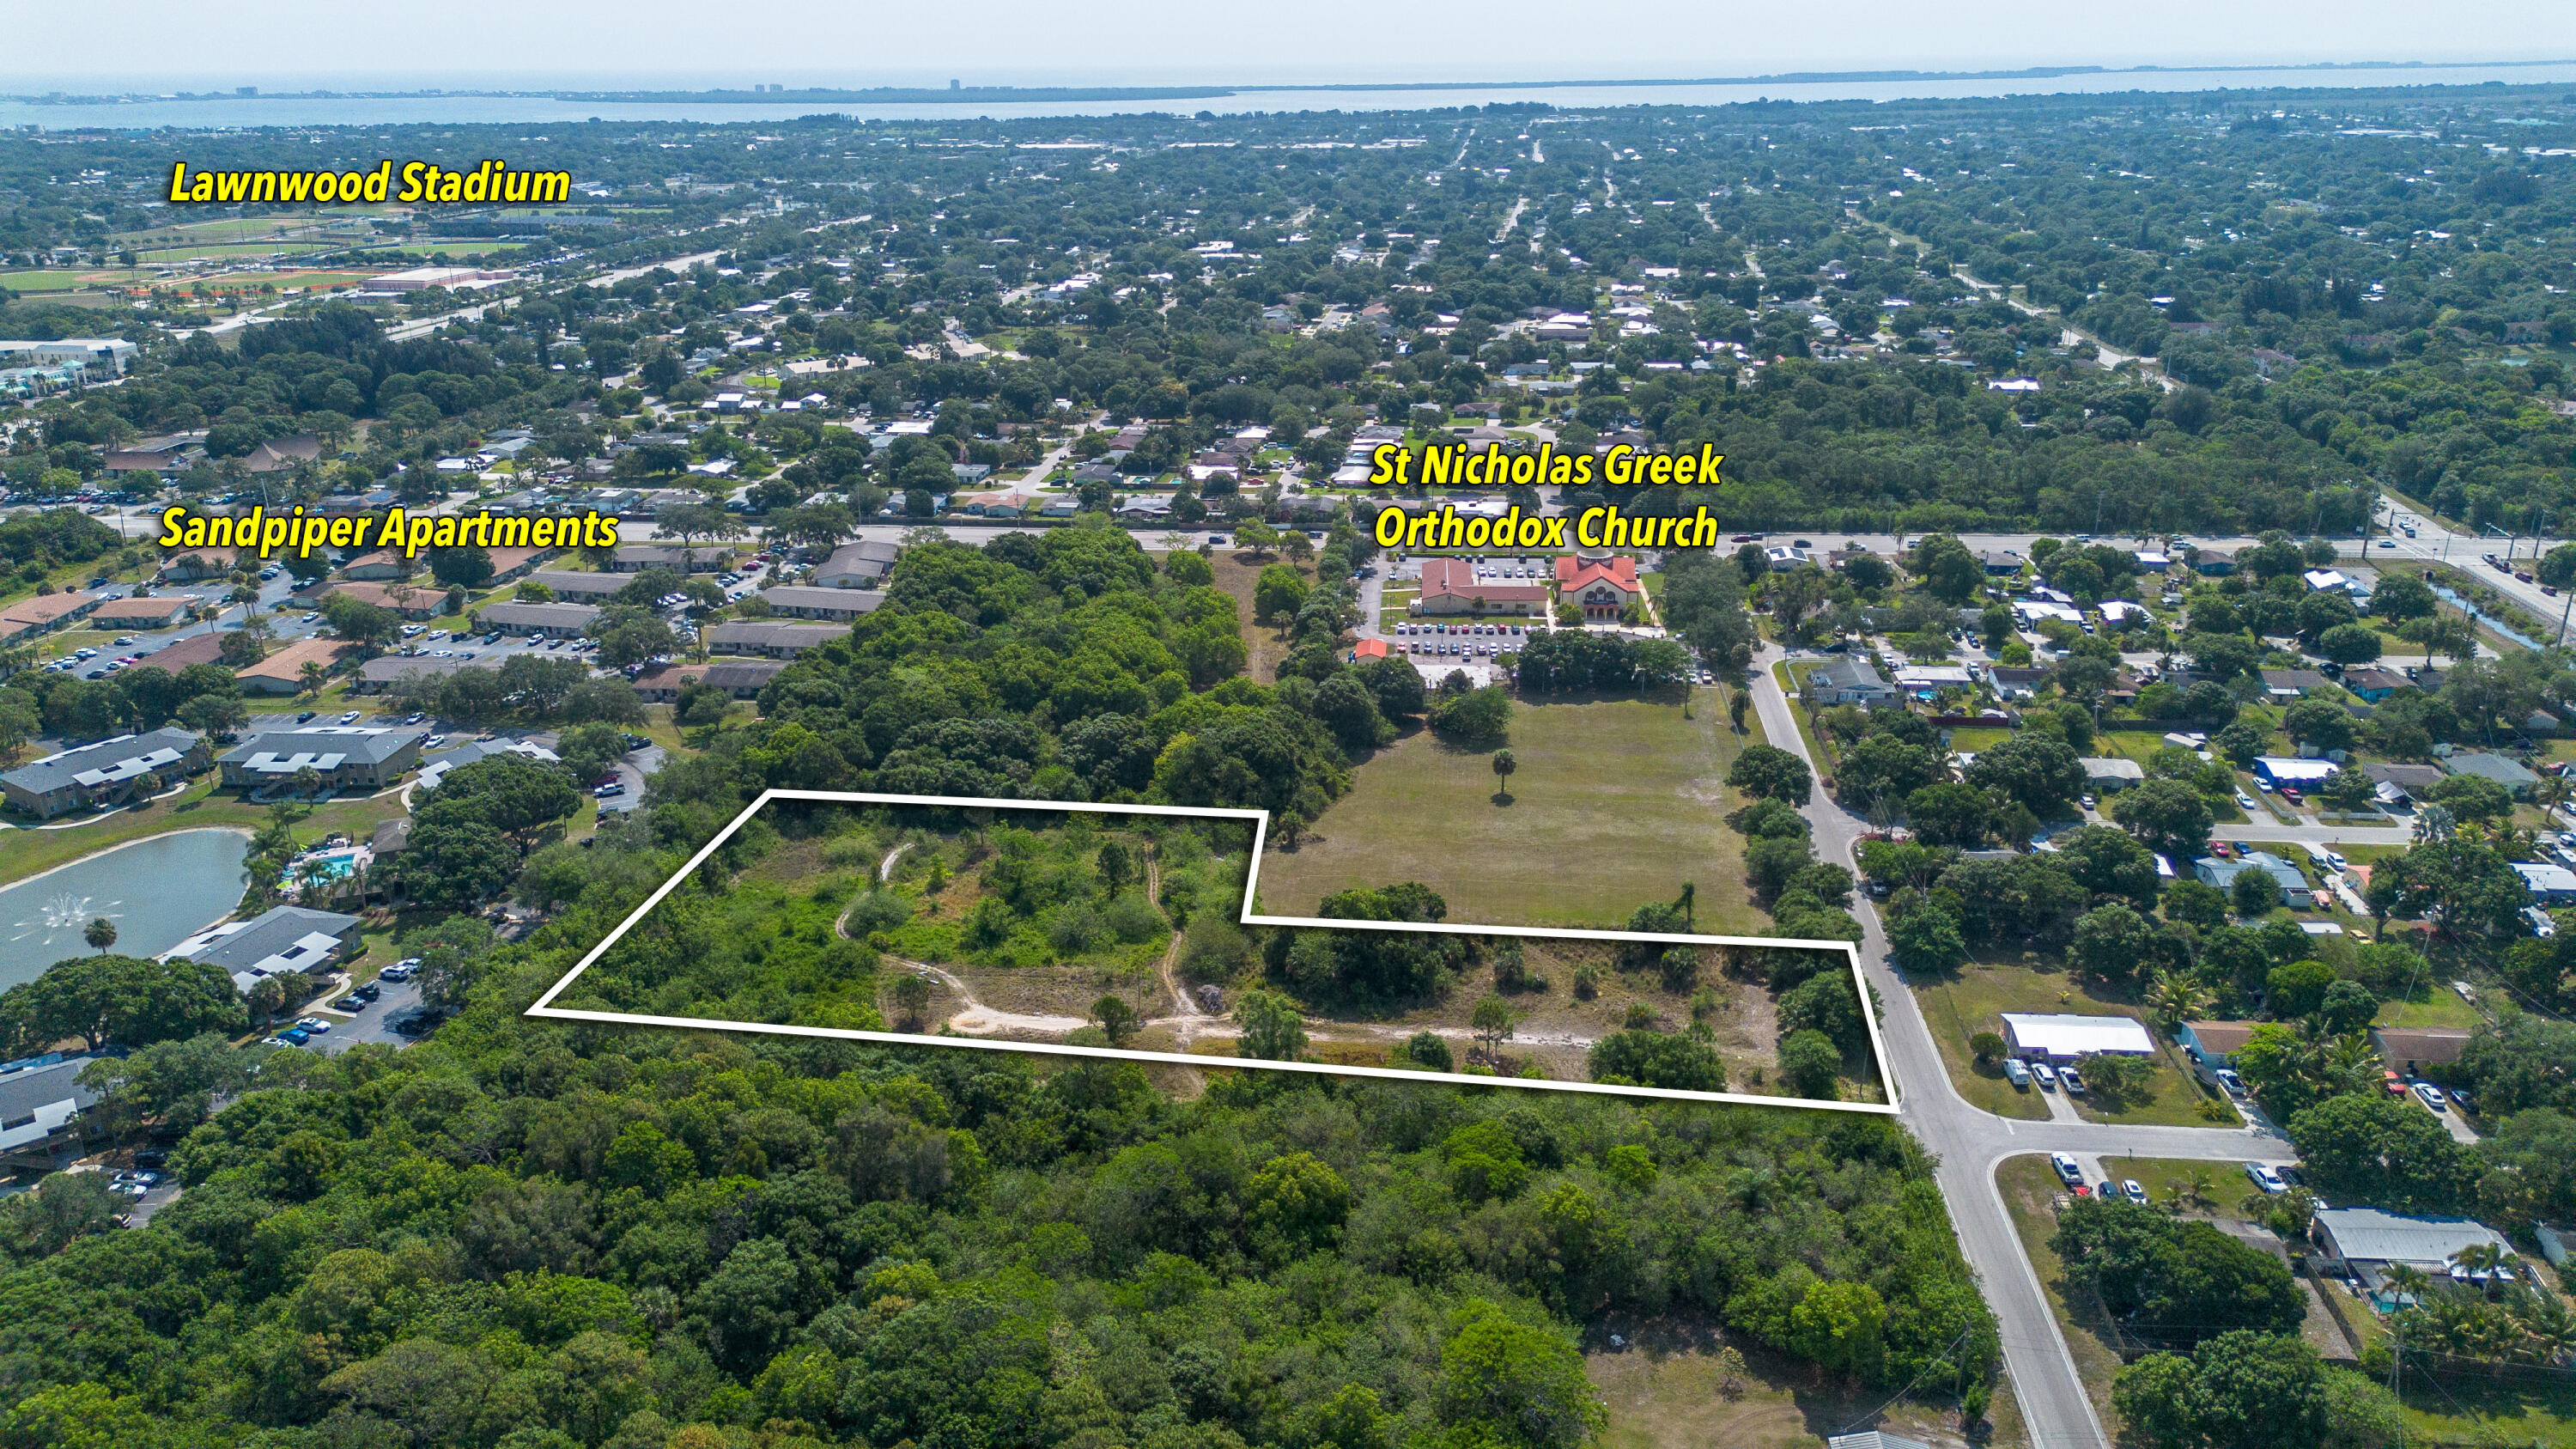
(1616, 803)
(228, 250)
(43, 279)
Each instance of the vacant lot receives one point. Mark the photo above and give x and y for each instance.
(1615, 803)
(1665, 1390)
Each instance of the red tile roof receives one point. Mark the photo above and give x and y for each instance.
(1370, 649)
(1573, 575)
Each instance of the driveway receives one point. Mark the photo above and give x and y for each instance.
(631, 772)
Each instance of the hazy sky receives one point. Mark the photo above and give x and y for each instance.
(465, 43)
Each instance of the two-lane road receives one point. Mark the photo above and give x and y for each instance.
(1968, 1142)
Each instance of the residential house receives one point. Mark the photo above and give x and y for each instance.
(2215, 562)
(2214, 1044)
(2511, 774)
(2002, 564)
(509, 565)
(2400, 784)
(1850, 680)
(2372, 685)
(344, 756)
(2298, 774)
(2369, 1243)
(110, 772)
(1603, 587)
(2292, 683)
(2412, 1049)
(283, 940)
(2211, 870)
(2109, 775)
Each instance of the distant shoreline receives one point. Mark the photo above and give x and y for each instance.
(988, 95)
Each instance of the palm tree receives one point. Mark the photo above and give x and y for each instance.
(2200, 1189)
(1504, 764)
(100, 934)
(312, 676)
(2407, 1281)
(2174, 1000)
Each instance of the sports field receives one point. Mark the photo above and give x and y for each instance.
(1615, 803)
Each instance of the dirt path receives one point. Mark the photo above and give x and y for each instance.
(885, 868)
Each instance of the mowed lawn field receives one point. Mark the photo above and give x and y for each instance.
(1616, 802)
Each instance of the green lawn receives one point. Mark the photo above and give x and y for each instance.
(47, 279)
(1616, 803)
(1974, 999)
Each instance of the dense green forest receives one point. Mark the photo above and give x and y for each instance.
(538, 1234)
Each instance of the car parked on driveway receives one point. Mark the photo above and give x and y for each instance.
(2432, 1096)
(2265, 1178)
(2068, 1169)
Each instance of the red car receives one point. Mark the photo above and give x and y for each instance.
(2290, 794)
(2221, 849)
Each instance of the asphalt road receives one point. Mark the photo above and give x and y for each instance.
(1968, 1143)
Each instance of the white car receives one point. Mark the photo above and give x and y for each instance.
(313, 1024)
(2265, 1178)
(2244, 801)
(2047, 1076)
(2068, 1169)
(2335, 859)
(2432, 1096)
(350, 718)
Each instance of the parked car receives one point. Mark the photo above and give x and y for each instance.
(349, 718)
(295, 1036)
(2432, 1096)
(2234, 1084)
(2392, 1084)
(2265, 1178)
(2130, 1189)
(304, 717)
(2047, 1076)
(2016, 1073)
(368, 992)
(2073, 1079)
(2068, 1170)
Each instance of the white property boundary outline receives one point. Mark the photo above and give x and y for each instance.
(1260, 819)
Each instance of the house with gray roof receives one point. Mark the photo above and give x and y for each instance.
(2511, 774)
(1850, 680)
(2370, 1243)
(110, 772)
(283, 940)
(2223, 873)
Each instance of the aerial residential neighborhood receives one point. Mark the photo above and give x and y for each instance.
(1011, 898)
